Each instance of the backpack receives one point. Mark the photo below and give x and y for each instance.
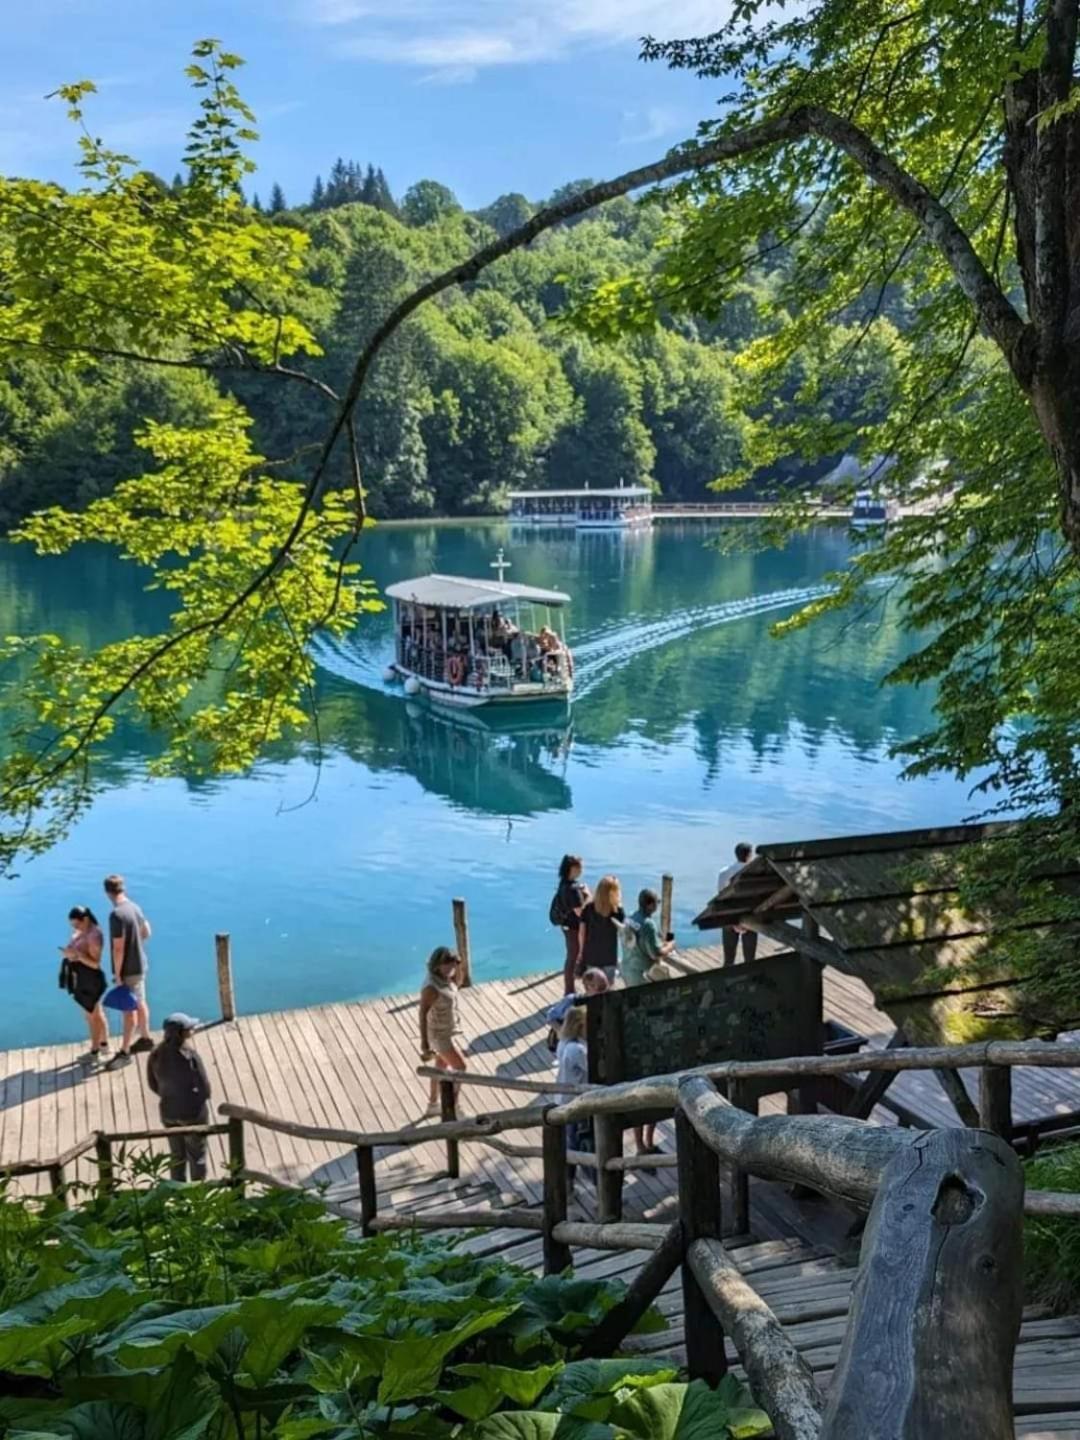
(559, 912)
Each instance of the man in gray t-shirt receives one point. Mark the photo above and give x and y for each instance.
(129, 931)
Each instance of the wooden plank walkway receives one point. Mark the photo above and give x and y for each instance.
(351, 1065)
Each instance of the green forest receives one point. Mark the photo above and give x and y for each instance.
(489, 389)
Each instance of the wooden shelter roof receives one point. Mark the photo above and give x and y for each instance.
(889, 910)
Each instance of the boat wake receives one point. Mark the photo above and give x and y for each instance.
(598, 658)
(595, 658)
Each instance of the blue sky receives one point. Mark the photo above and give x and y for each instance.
(485, 95)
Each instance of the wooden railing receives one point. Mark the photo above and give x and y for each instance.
(937, 1303)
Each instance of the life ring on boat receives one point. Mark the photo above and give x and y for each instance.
(455, 669)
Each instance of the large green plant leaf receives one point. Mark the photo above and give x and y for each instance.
(154, 1341)
(519, 1425)
(584, 1387)
(561, 1306)
(188, 1404)
(34, 1349)
(492, 1384)
(688, 1412)
(413, 1366)
(100, 1298)
(276, 1326)
(99, 1420)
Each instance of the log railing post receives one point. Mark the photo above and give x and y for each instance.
(642, 1291)
(556, 1198)
(369, 1195)
(700, 1213)
(608, 1130)
(448, 1110)
(237, 1162)
(667, 885)
(995, 1100)
(935, 1313)
(58, 1184)
(461, 941)
(106, 1174)
(226, 995)
(739, 1224)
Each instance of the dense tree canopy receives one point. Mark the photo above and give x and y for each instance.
(882, 224)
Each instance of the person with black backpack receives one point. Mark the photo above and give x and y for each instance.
(570, 898)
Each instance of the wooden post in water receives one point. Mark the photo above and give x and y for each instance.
(448, 1110)
(699, 1210)
(461, 941)
(369, 1197)
(667, 885)
(223, 947)
(556, 1198)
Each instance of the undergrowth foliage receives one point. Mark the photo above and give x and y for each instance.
(176, 1312)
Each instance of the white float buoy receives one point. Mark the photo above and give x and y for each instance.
(389, 675)
(412, 686)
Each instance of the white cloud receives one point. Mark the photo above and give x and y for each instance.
(463, 37)
(652, 123)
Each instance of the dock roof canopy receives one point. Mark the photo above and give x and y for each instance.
(889, 911)
(620, 491)
(456, 592)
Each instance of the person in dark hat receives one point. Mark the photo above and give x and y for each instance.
(177, 1076)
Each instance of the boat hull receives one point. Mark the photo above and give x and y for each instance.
(466, 697)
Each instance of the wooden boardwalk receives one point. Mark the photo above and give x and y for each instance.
(351, 1066)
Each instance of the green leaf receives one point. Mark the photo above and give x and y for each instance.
(276, 1326)
(583, 1380)
(154, 1341)
(413, 1366)
(32, 1349)
(100, 1420)
(493, 1384)
(686, 1412)
(518, 1425)
(188, 1404)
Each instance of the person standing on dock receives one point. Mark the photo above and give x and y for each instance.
(570, 898)
(601, 922)
(733, 933)
(441, 1038)
(129, 931)
(177, 1076)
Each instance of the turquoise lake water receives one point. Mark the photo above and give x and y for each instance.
(692, 728)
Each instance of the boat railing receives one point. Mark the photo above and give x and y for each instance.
(494, 671)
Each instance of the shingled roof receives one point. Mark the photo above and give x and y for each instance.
(888, 910)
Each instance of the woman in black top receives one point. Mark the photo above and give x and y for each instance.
(570, 899)
(601, 921)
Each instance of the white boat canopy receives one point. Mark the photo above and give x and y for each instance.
(455, 592)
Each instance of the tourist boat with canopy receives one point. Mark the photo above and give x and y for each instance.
(468, 643)
(628, 507)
